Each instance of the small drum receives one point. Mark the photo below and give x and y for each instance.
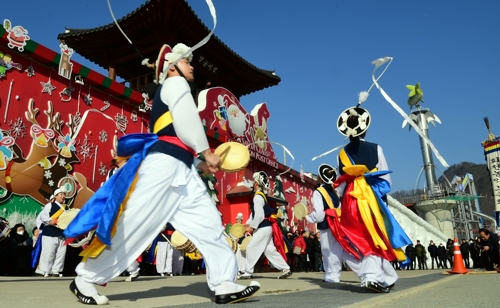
(234, 156)
(300, 211)
(4, 230)
(237, 230)
(66, 218)
(182, 243)
(232, 243)
(244, 243)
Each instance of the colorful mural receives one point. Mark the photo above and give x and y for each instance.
(61, 122)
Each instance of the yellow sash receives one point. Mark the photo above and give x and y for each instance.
(163, 121)
(59, 212)
(329, 201)
(367, 204)
(325, 195)
(262, 194)
(96, 247)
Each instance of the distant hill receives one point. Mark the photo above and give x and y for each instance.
(482, 183)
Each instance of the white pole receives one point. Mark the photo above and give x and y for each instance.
(95, 160)
(8, 101)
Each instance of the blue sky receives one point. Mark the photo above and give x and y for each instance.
(322, 51)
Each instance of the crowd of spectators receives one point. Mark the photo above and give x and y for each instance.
(482, 251)
(303, 255)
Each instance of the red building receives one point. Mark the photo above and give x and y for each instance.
(61, 118)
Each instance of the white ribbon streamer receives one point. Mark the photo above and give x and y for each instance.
(380, 62)
(200, 43)
(284, 147)
(328, 152)
(77, 131)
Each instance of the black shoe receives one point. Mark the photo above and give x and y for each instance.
(238, 296)
(103, 300)
(391, 286)
(245, 277)
(376, 287)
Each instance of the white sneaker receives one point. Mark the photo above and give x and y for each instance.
(162, 275)
(132, 277)
(46, 275)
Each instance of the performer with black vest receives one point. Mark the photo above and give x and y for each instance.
(325, 199)
(169, 261)
(267, 237)
(366, 221)
(158, 183)
(53, 247)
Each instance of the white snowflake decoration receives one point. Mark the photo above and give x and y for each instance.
(17, 128)
(86, 150)
(47, 174)
(51, 183)
(62, 162)
(228, 187)
(102, 169)
(103, 136)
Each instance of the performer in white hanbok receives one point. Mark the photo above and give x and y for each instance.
(240, 255)
(53, 248)
(364, 183)
(158, 183)
(169, 261)
(325, 198)
(267, 237)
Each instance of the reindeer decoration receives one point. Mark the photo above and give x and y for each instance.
(22, 175)
(259, 132)
(47, 164)
(65, 66)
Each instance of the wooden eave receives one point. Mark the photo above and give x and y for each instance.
(149, 27)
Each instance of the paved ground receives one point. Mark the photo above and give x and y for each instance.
(429, 288)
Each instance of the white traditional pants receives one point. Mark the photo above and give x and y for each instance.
(133, 268)
(377, 269)
(241, 259)
(333, 254)
(177, 262)
(52, 255)
(262, 242)
(164, 254)
(167, 190)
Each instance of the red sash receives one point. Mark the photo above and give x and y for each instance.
(277, 237)
(175, 140)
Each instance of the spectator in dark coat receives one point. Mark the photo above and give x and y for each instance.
(310, 243)
(420, 253)
(318, 257)
(489, 253)
(411, 253)
(464, 250)
(432, 249)
(22, 250)
(441, 253)
(289, 255)
(474, 253)
(449, 251)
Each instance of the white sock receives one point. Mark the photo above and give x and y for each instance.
(86, 288)
(228, 287)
